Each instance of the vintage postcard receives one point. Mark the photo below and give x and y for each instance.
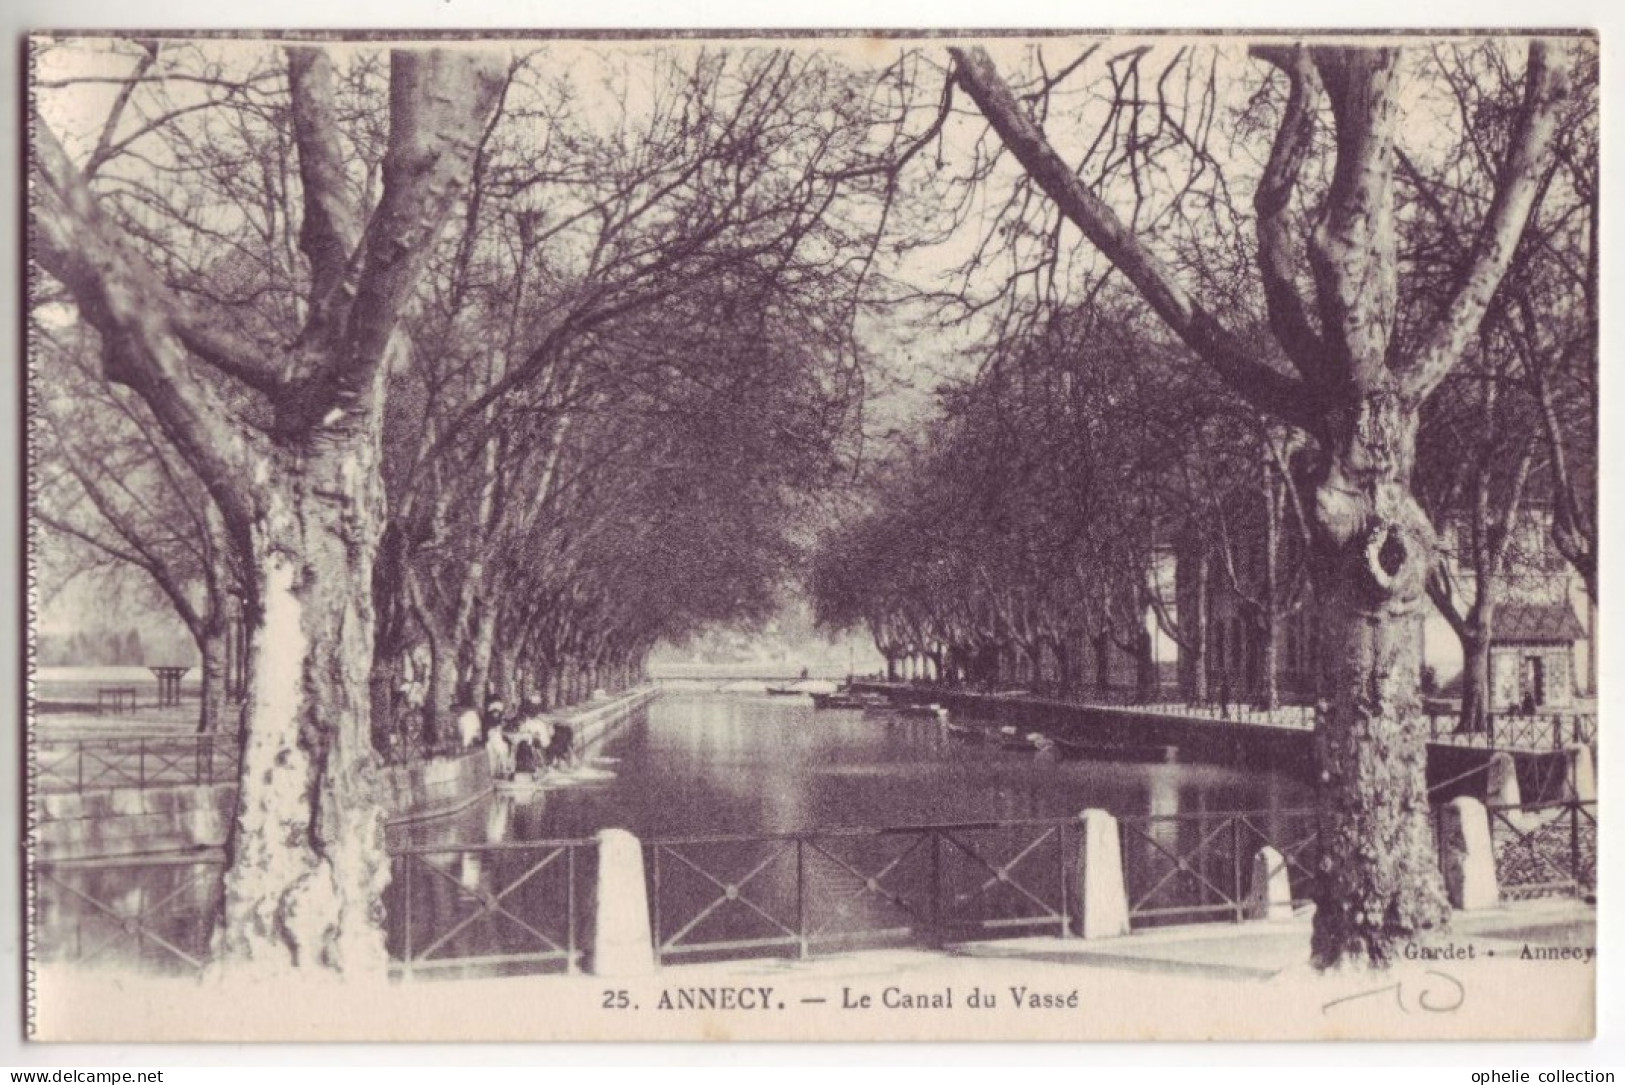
(906, 536)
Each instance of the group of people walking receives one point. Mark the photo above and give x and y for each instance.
(523, 743)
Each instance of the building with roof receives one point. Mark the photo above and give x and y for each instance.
(1532, 655)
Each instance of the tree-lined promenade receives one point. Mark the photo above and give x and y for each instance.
(461, 373)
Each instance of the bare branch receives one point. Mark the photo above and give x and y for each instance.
(1288, 318)
(1546, 85)
(1261, 385)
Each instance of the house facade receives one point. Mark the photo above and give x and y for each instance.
(1543, 650)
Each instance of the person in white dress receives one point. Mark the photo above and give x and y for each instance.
(469, 726)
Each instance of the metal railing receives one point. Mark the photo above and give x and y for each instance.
(1539, 731)
(496, 909)
(135, 762)
(151, 913)
(1545, 849)
(805, 893)
(1192, 867)
(491, 908)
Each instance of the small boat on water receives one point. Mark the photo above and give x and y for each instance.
(1013, 738)
(847, 699)
(962, 732)
(914, 711)
(786, 691)
(1073, 750)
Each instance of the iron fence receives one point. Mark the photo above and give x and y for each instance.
(135, 762)
(1540, 731)
(1545, 849)
(805, 893)
(491, 908)
(153, 913)
(1181, 868)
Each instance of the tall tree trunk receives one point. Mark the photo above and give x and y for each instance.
(1199, 635)
(1476, 695)
(442, 692)
(1146, 685)
(1379, 879)
(214, 649)
(480, 686)
(307, 866)
(1269, 676)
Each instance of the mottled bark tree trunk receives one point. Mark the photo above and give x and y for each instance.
(307, 866)
(214, 650)
(1379, 877)
(482, 655)
(302, 498)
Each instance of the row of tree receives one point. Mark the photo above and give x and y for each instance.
(456, 373)
(1397, 357)
(458, 349)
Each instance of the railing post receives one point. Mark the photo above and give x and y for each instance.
(406, 862)
(1060, 870)
(570, 964)
(655, 935)
(937, 921)
(1102, 890)
(1574, 846)
(1467, 854)
(141, 762)
(622, 943)
(1237, 890)
(1557, 732)
(79, 748)
(801, 896)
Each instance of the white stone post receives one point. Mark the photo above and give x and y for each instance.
(1269, 895)
(1579, 775)
(622, 943)
(1467, 854)
(1501, 781)
(1101, 893)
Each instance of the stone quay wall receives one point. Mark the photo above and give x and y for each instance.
(130, 821)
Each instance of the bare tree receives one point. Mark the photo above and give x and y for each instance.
(285, 438)
(109, 481)
(1374, 546)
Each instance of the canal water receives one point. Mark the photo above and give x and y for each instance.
(767, 827)
(770, 827)
(758, 763)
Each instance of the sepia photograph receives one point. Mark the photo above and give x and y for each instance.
(839, 536)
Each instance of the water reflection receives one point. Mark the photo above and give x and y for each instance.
(733, 763)
(704, 765)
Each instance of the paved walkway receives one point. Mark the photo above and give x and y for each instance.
(1255, 951)
(1242, 982)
